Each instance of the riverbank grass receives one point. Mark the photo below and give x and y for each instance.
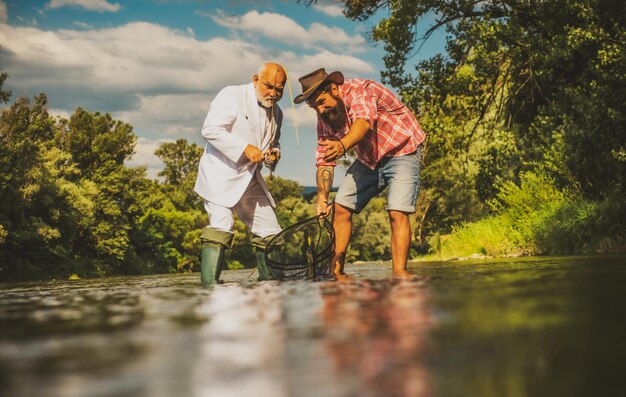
(535, 218)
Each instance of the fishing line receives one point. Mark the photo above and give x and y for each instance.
(293, 107)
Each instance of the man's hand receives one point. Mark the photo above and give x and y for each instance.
(253, 154)
(334, 149)
(271, 156)
(323, 206)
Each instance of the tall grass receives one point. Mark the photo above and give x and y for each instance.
(536, 218)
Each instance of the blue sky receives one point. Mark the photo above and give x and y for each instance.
(157, 64)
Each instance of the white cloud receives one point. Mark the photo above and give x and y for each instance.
(350, 66)
(299, 125)
(4, 15)
(117, 68)
(59, 113)
(331, 10)
(144, 156)
(31, 22)
(161, 81)
(91, 5)
(284, 29)
(82, 25)
(174, 116)
(118, 63)
(300, 115)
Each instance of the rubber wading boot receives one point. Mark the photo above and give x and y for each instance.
(214, 243)
(264, 271)
(260, 243)
(212, 263)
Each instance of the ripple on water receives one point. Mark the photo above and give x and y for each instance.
(526, 327)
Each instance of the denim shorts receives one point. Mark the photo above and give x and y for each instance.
(400, 174)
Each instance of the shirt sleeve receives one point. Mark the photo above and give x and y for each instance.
(362, 104)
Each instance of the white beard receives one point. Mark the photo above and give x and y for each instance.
(266, 103)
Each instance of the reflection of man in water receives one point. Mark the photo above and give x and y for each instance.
(376, 333)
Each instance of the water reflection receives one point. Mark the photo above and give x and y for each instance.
(376, 334)
(531, 327)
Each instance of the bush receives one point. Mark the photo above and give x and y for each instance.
(537, 218)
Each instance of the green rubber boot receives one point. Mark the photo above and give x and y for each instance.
(214, 243)
(264, 271)
(212, 263)
(260, 244)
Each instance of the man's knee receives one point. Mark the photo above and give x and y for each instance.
(342, 212)
(213, 237)
(398, 217)
(261, 243)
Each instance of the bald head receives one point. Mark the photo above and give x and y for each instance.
(269, 83)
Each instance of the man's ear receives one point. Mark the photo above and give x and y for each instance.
(334, 89)
(255, 78)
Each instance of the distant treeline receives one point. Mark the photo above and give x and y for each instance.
(526, 152)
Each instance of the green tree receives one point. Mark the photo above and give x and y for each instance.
(4, 95)
(281, 188)
(98, 144)
(42, 205)
(180, 172)
(523, 86)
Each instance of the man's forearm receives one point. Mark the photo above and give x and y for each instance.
(325, 175)
(357, 132)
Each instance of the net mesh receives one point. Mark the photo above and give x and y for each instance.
(303, 250)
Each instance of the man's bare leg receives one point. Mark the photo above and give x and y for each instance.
(400, 242)
(342, 224)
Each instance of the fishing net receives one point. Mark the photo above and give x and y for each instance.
(303, 250)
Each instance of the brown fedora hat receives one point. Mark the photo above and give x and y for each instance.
(310, 82)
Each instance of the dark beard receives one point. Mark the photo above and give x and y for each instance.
(336, 117)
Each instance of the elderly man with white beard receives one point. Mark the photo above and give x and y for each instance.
(242, 131)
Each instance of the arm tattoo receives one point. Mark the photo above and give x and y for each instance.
(325, 176)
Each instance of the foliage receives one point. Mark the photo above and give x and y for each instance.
(371, 238)
(180, 172)
(4, 95)
(71, 206)
(523, 86)
(536, 218)
(583, 226)
(525, 115)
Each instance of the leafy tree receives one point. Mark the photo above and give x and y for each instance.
(371, 237)
(97, 143)
(4, 95)
(523, 86)
(281, 188)
(180, 172)
(180, 159)
(41, 203)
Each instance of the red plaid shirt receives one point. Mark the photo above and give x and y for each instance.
(395, 130)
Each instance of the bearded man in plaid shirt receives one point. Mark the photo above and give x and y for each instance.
(386, 137)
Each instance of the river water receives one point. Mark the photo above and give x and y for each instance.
(516, 327)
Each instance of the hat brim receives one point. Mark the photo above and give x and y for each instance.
(334, 77)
